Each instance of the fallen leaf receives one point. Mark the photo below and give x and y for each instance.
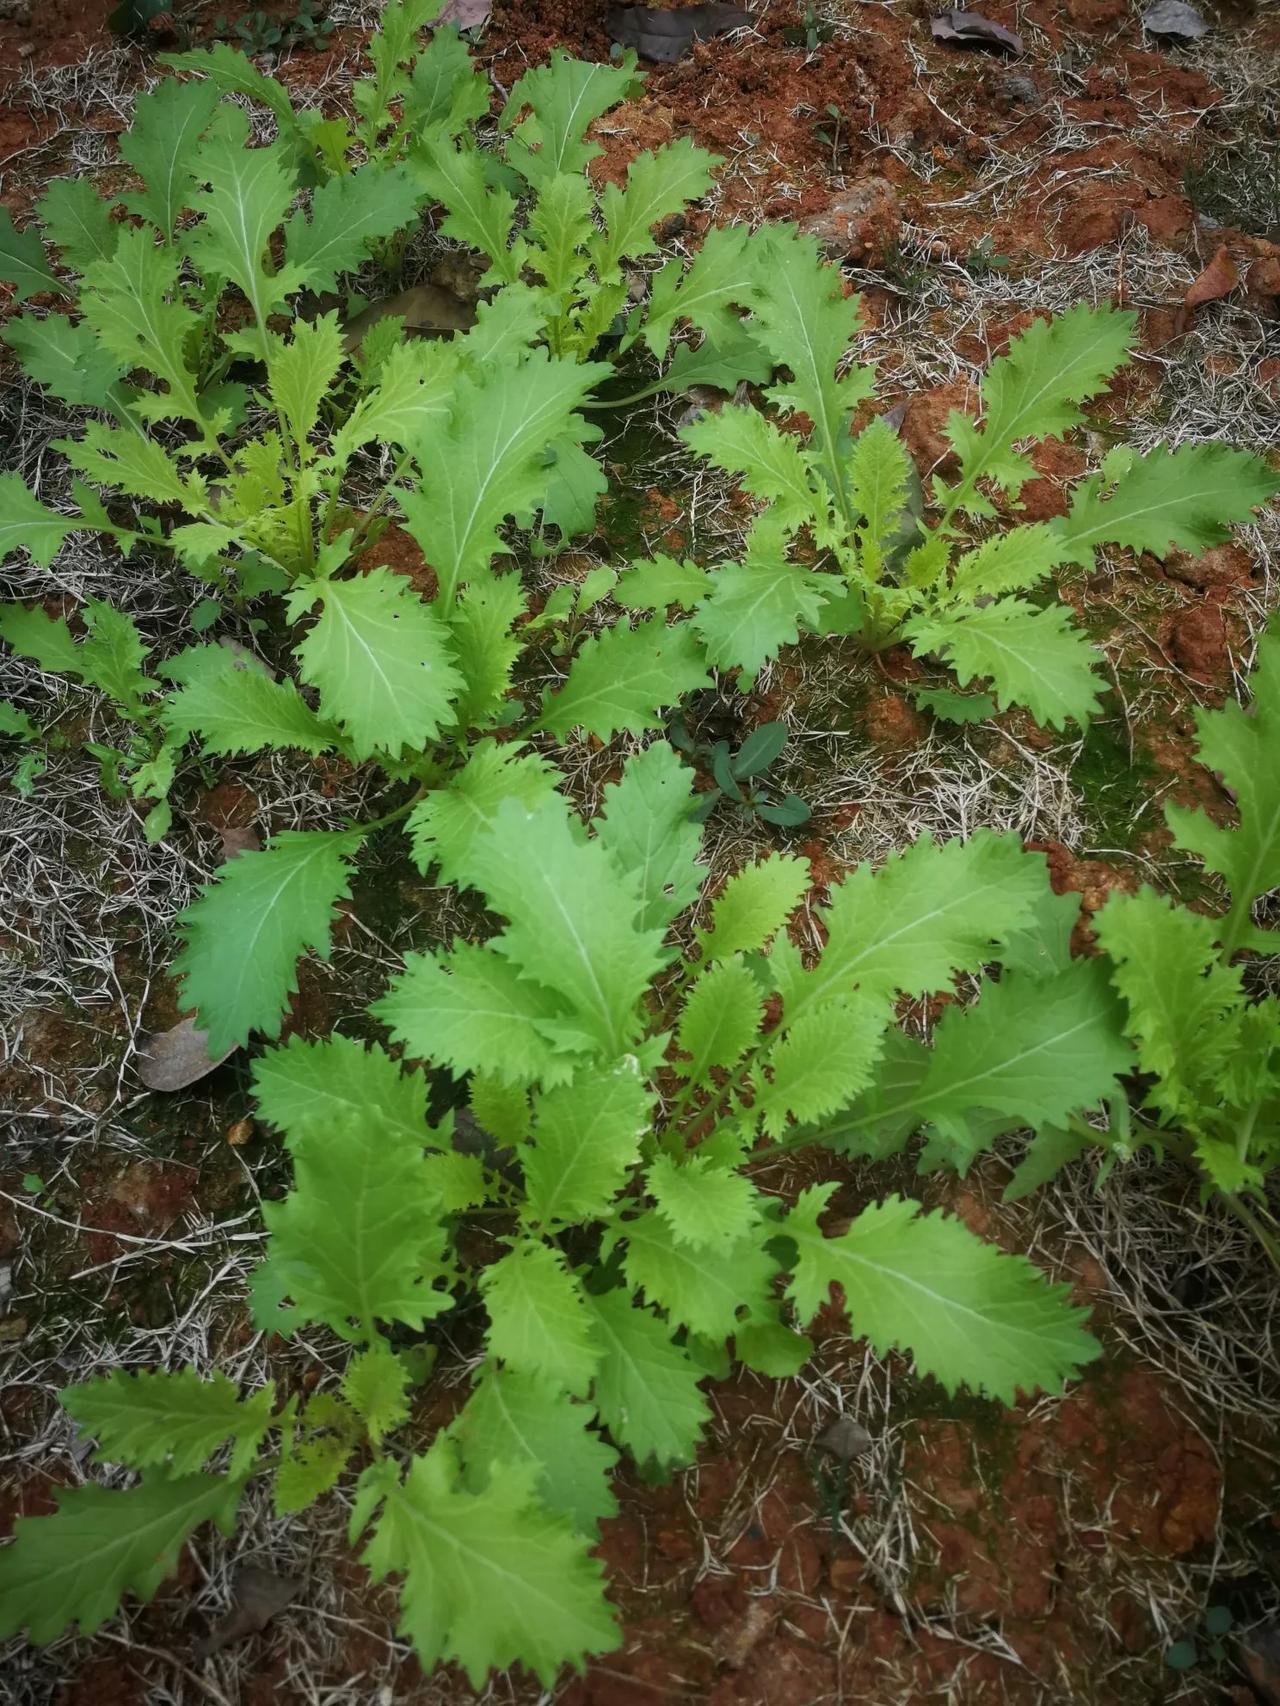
(1218, 279)
(668, 36)
(971, 29)
(170, 1060)
(239, 1132)
(463, 15)
(1175, 18)
(845, 1439)
(237, 839)
(424, 308)
(257, 1596)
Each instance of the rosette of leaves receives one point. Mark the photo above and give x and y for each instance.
(955, 584)
(631, 1076)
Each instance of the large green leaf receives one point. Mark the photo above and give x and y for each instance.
(1036, 658)
(825, 1058)
(1184, 497)
(563, 97)
(242, 937)
(23, 262)
(65, 357)
(148, 1418)
(491, 1578)
(382, 662)
(586, 1136)
(623, 677)
(538, 1321)
(131, 303)
(646, 1388)
(358, 1240)
(234, 710)
(644, 825)
(307, 1089)
(659, 183)
(444, 825)
(923, 1283)
(347, 214)
(78, 222)
(77, 1565)
(928, 912)
(160, 145)
(249, 191)
(519, 1419)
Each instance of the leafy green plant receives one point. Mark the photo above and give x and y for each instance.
(626, 1088)
(1212, 1629)
(975, 600)
(735, 774)
(260, 31)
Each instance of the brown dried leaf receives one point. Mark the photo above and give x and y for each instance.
(257, 1596)
(1218, 279)
(668, 36)
(170, 1060)
(971, 29)
(425, 308)
(463, 15)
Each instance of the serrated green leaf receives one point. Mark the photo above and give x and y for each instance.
(160, 145)
(1185, 497)
(249, 191)
(358, 1240)
(646, 1388)
(644, 825)
(1052, 1149)
(1036, 658)
(770, 1348)
(1184, 1004)
(310, 1470)
(129, 302)
(45, 639)
(560, 224)
(586, 1137)
(1242, 747)
(1032, 1055)
(574, 482)
(231, 73)
(112, 655)
(538, 1322)
(572, 919)
(64, 357)
(923, 1283)
(347, 214)
(301, 369)
(77, 1565)
(720, 1019)
(754, 905)
(774, 465)
(721, 277)
(446, 89)
(623, 676)
(661, 581)
(16, 724)
(117, 457)
(234, 710)
(1033, 391)
(564, 97)
(382, 661)
(146, 1419)
(698, 1288)
(880, 473)
(450, 1008)
(928, 912)
(955, 707)
(659, 182)
(485, 649)
(488, 462)
(376, 1385)
(804, 320)
(78, 222)
(23, 262)
(444, 825)
(479, 212)
(519, 1419)
(722, 363)
(25, 522)
(825, 1058)
(414, 393)
(707, 1207)
(463, 1553)
(306, 1089)
(755, 607)
(244, 934)
(1008, 562)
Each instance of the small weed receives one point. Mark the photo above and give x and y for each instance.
(259, 32)
(810, 32)
(734, 774)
